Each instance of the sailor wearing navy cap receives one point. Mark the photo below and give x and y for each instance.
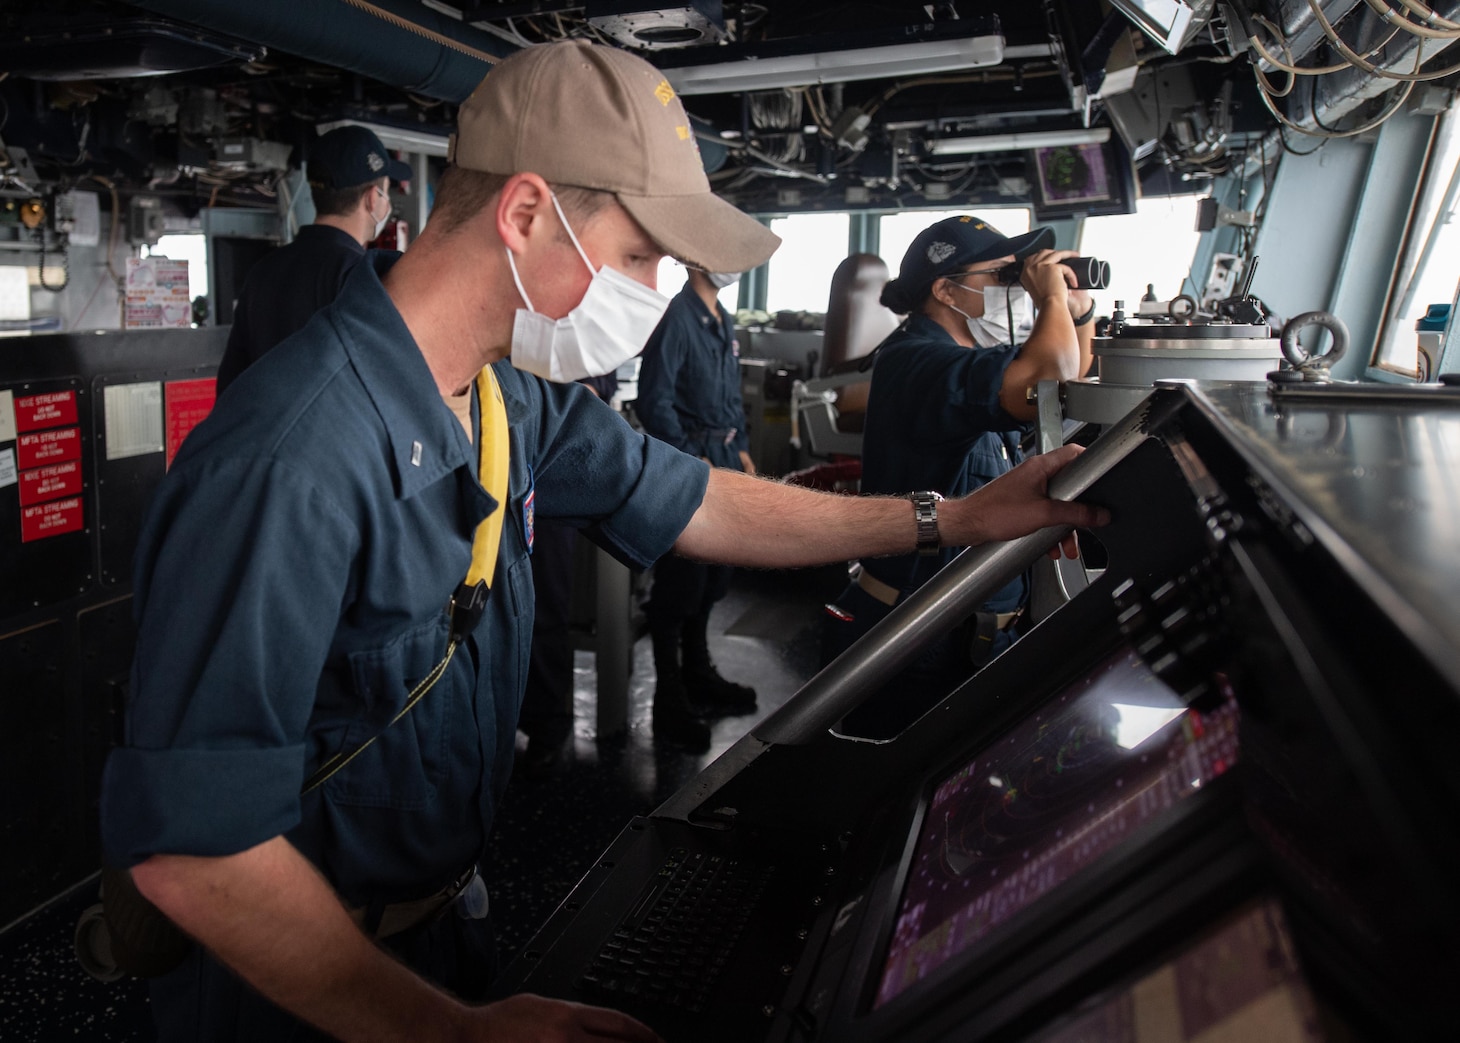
(944, 417)
(349, 173)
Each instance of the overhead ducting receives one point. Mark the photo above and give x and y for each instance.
(399, 42)
(63, 47)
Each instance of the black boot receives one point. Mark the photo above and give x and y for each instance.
(674, 721)
(543, 757)
(702, 681)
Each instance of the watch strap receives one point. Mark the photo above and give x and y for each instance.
(925, 515)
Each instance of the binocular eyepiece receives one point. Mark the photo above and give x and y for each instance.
(1091, 273)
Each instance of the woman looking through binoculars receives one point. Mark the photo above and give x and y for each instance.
(988, 318)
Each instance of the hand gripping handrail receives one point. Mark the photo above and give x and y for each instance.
(937, 606)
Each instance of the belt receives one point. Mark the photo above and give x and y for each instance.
(400, 917)
(725, 435)
(883, 592)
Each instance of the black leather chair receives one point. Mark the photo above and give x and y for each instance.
(856, 322)
(829, 409)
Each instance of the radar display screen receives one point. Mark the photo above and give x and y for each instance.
(1066, 785)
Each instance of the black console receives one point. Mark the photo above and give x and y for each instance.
(1214, 791)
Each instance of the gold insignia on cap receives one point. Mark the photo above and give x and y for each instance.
(682, 131)
(979, 227)
(965, 219)
(664, 92)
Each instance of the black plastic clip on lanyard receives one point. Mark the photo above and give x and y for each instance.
(467, 606)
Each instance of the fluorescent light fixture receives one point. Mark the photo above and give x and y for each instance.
(862, 63)
(420, 141)
(1165, 21)
(1024, 140)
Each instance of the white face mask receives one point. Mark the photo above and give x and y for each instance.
(991, 329)
(380, 223)
(720, 280)
(608, 327)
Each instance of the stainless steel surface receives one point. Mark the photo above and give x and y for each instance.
(1154, 360)
(1132, 361)
(1376, 480)
(1090, 400)
(1340, 392)
(947, 598)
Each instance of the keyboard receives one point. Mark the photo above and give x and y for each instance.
(677, 938)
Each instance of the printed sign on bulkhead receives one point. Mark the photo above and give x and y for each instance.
(157, 294)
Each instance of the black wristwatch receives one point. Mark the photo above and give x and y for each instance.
(1089, 314)
(925, 513)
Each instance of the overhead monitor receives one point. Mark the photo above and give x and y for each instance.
(1083, 178)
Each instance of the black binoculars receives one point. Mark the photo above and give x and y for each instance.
(1090, 273)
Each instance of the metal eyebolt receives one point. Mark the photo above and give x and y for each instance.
(1314, 367)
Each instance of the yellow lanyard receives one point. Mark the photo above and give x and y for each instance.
(470, 600)
(496, 461)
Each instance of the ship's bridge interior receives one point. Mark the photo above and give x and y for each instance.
(1208, 793)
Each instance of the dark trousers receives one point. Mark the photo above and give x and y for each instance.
(547, 699)
(204, 1002)
(684, 588)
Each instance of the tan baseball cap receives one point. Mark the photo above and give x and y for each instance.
(597, 117)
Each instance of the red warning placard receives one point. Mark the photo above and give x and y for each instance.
(187, 403)
(40, 448)
(37, 412)
(51, 519)
(50, 483)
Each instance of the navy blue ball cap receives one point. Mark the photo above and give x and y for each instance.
(947, 246)
(349, 156)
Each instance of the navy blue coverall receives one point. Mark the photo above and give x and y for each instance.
(689, 396)
(283, 291)
(934, 422)
(291, 585)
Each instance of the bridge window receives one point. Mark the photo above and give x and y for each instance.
(1153, 246)
(800, 272)
(1430, 266)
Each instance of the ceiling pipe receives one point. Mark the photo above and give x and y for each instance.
(399, 42)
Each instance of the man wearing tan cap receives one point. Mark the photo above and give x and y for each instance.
(318, 729)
